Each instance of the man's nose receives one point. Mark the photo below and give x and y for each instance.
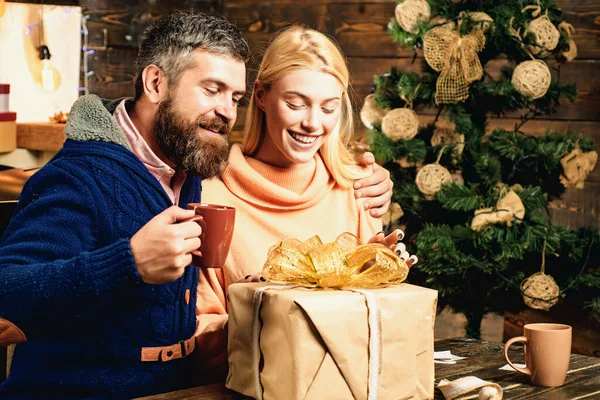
(227, 110)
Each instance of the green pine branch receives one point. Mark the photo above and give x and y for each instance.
(459, 197)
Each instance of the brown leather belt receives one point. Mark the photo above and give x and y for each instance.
(167, 353)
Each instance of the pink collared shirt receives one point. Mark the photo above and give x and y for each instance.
(170, 180)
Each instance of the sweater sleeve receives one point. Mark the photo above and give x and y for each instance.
(211, 314)
(49, 262)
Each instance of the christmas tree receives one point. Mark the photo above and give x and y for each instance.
(475, 202)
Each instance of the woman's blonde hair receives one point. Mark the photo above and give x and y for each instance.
(299, 47)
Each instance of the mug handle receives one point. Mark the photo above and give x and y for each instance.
(199, 219)
(518, 339)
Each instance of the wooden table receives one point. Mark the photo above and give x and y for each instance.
(483, 359)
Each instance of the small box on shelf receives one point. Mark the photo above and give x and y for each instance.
(8, 122)
(8, 131)
(4, 93)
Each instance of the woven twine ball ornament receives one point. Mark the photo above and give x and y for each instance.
(532, 78)
(400, 124)
(410, 12)
(540, 291)
(447, 136)
(370, 114)
(430, 179)
(546, 35)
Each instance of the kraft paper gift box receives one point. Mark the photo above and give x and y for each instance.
(289, 342)
(8, 131)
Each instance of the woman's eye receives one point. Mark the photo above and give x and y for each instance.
(211, 91)
(295, 106)
(327, 110)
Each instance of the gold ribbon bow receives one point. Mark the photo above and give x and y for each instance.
(343, 263)
(457, 59)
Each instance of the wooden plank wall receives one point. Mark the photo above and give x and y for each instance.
(360, 27)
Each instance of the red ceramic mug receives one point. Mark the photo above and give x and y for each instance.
(217, 223)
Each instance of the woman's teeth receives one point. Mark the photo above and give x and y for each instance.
(302, 138)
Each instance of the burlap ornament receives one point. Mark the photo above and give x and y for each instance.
(507, 209)
(445, 136)
(400, 124)
(371, 114)
(394, 214)
(546, 36)
(532, 78)
(442, 21)
(485, 20)
(540, 291)
(569, 54)
(430, 179)
(410, 12)
(577, 166)
(456, 58)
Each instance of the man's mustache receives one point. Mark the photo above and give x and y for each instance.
(215, 125)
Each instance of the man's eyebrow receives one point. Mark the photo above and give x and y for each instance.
(222, 85)
(306, 98)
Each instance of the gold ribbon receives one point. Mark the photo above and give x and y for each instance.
(457, 59)
(344, 263)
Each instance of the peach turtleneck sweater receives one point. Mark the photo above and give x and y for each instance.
(271, 204)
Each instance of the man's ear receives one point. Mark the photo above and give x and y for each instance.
(154, 83)
(259, 94)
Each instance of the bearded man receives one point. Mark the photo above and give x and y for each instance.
(96, 285)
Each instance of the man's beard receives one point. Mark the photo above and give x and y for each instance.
(186, 146)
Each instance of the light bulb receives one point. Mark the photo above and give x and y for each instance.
(48, 76)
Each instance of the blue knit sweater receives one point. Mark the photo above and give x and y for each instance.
(68, 279)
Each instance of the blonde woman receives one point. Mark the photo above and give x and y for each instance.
(292, 176)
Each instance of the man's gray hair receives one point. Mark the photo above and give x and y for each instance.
(169, 44)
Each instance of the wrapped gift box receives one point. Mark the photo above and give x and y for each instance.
(8, 131)
(289, 342)
(4, 94)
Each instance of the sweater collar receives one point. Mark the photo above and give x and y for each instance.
(276, 188)
(91, 118)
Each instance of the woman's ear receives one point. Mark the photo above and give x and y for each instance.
(259, 94)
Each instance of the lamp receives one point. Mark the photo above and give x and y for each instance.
(48, 73)
(50, 76)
